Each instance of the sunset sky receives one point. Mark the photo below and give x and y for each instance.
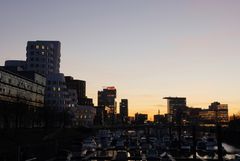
(147, 49)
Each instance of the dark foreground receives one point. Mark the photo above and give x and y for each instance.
(48, 144)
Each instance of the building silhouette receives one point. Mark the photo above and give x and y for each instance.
(107, 102)
(107, 97)
(140, 118)
(176, 108)
(124, 110)
(80, 87)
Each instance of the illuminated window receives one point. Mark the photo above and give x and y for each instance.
(37, 46)
(43, 53)
(43, 47)
(54, 89)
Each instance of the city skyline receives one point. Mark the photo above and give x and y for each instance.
(146, 50)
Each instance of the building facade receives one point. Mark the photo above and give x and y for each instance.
(124, 110)
(43, 56)
(84, 116)
(56, 93)
(216, 113)
(21, 95)
(176, 109)
(80, 87)
(25, 87)
(107, 97)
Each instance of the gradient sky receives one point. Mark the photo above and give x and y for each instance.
(148, 49)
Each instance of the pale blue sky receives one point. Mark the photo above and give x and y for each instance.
(148, 49)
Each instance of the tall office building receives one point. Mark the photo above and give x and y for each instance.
(124, 109)
(176, 107)
(43, 56)
(107, 103)
(107, 97)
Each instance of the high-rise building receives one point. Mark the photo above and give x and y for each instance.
(106, 101)
(107, 97)
(124, 110)
(176, 107)
(43, 56)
